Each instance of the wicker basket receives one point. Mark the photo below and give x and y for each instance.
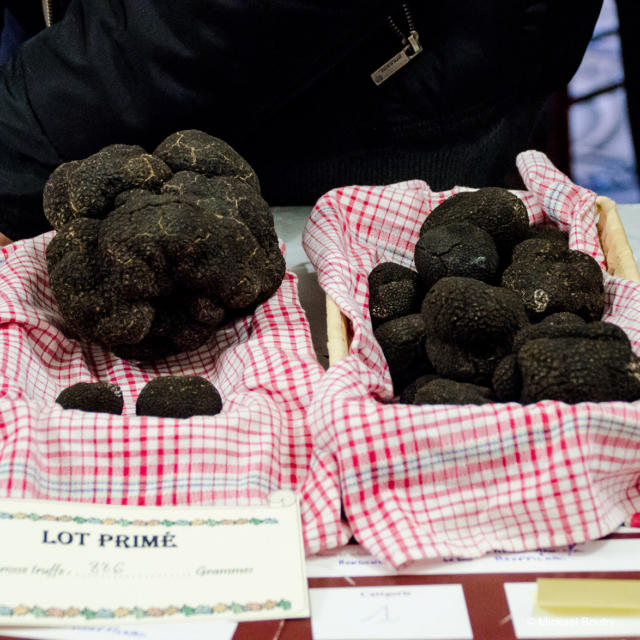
(613, 240)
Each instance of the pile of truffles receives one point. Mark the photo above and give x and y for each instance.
(165, 396)
(154, 251)
(496, 310)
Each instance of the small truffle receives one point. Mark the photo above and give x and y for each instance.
(550, 233)
(408, 393)
(550, 278)
(402, 342)
(98, 397)
(495, 210)
(458, 249)
(557, 325)
(443, 391)
(178, 397)
(394, 291)
(506, 380)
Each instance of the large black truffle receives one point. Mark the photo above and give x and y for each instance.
(98, 397)
(149, 262)
(458, 249)
(495, 210)
(394, 291)
(178, 397)
(470, 327)
(550, 278)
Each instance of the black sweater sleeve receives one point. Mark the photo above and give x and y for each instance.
(136, 70)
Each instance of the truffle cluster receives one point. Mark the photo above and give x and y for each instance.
(497, 311)
(154, 251)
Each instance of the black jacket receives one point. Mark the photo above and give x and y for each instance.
(287, 83)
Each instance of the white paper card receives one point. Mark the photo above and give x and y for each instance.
(67, 563)
(219, 630)
(598, 555)
(530, 621)
(413, 612)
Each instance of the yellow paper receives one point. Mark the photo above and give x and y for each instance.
(589, 596)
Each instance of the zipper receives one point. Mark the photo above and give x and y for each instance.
(47, 10)
(410, 48)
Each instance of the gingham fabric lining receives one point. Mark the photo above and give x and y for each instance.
(423, 482)
(264, 367)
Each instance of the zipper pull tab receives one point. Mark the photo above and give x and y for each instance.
(398, 61)
(414, 43)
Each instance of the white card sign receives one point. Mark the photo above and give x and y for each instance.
(412, 612)
(66, 563)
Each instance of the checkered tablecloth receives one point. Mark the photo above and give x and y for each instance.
(264, 367)
(422, 482)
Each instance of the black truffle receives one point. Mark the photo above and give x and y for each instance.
(550, 278)
(394, 291)
(550, 233)
(495, 210)
(470, 327)
(571, 363)
(402, 342)
(457, 249)
(443, 391)
(194, 150)
(87, 188)
(409, 392)
(178, 397)
(153, 263)
(557, 325)
(98, 397)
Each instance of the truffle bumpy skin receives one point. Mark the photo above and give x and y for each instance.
(154, 251)
(495, 210)
(444, 391)
(394, 291)
(178, 397)
(550, 278)
(456, 249)
(402, 342)
(98, 397)
(570, 361)
(470, 327)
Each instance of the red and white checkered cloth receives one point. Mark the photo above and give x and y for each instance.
(263, 366)
(422, 482)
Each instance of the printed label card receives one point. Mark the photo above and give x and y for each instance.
(412, 612)
(67, 563)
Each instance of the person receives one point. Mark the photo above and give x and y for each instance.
(315, 95)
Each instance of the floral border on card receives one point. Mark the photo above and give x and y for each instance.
(208, 522)
(138, 612)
